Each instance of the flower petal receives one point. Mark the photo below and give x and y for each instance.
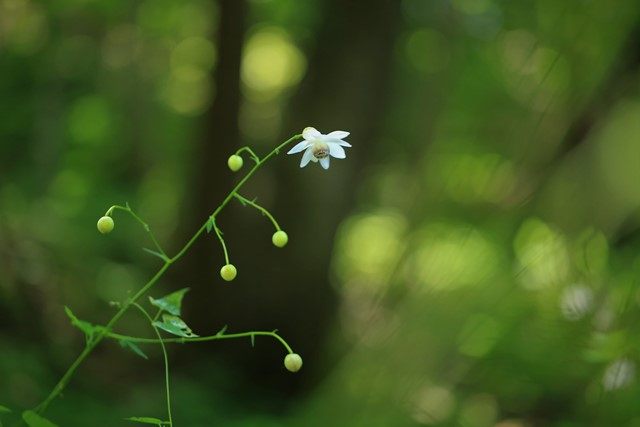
(343, 143)
(338, 134)
(299, 147)
(336, 150)
(325, 162)
(306, 157)
(310, 134)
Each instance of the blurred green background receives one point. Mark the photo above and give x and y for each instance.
(473, 262)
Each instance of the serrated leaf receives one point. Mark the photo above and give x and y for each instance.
(174, 325)
(155, 253)
(222, 331)
(133, 347)
(171, 303)
(86, 327)
(34, 420)
(147, 420)
(4, 410)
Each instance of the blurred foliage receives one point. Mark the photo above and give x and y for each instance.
(485, 271)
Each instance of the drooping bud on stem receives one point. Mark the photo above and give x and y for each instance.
(280, 239)
(105, 225)
(235, 162)
(293, 362)
(228, 272)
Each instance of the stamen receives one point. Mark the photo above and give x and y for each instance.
(320, 150)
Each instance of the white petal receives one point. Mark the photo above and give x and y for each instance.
(336, 150)
(325, 162)
(299, 147)
(310, 134)
(343, 143)
(306, 157)
(338, 134)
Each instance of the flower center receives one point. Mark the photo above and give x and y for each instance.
(320, 150)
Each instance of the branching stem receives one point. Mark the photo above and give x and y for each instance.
(145, 226)
(264, 211)
(219, 234)
(216, 337)
(90, 346)
(165, 357)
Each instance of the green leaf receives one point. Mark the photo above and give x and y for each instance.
(133, 347)
(34, 420)
(174, 325)
(155, 253)
(148, 420)
(4, 410)
(209, 225)
(253, 340)
(86, 327)
(171, 303)
(222, 331)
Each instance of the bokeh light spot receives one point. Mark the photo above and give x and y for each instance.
(90, 120)
(195, 52)
(271, 63)
(479, 335)
(433, 405)
(542, 254)
(368, 247)
(450, 256)
(619, 374)
(576, 301)
(427, 50)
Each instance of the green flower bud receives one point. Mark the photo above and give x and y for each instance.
(228, 272)
(280, 239)
(293, 362)
(235, 162)
(105, 224)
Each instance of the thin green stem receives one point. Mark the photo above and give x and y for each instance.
(251, 153)
(59, 387)
(166, 360)
(219, 234)
(144, 225)
(264, 211)
(62, 383)
(216, 337)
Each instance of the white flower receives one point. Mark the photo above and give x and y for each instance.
(318, 147)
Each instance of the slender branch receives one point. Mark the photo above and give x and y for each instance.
(144, 225)
(216, 337)
(219, 234)
(60, 386)
(251, 153)
(166, 360)
(264, 211)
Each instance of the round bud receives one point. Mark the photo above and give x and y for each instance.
(105, 224)
(293, 362)
(280, 239)
(235, 162)
(228, 272)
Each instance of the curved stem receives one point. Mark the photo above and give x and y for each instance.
(216, 337)
(219, 234)
(59, 387)
(251, 153)
(166, 360)
(264, 211)
(146, 227)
